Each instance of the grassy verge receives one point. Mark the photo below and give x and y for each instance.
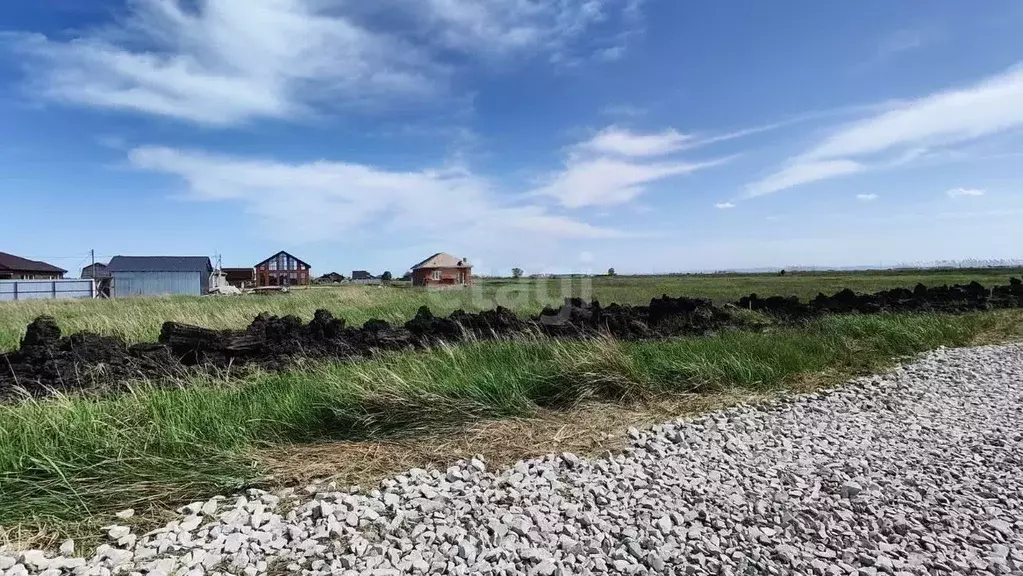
(68, 459)
(139, 319)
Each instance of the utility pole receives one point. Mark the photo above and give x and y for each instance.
(92, 254)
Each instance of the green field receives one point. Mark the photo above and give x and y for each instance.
(68, 463)
(139, 319)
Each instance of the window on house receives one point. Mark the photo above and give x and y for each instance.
(436, 275)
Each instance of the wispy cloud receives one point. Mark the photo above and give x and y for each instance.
(614, 167)
(623, 110)
(802, 173)
(866, 197)
(604, 181)
(957, 192)
(899, 135)
(618, 141)
(347, 198)
(724, 205)
(223, 62)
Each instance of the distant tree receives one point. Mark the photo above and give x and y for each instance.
(407, 276)
(516, 272)
(610, 271)
(782, 273)
(386, 276)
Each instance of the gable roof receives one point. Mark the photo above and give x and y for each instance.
(97, 270)
(299, 260)
(443, 260)
(12, 262)
(159, 264)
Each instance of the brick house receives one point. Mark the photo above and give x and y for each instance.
(442, 269)
(282, 269)
(16, 268)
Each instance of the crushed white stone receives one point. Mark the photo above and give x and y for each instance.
(916, 472)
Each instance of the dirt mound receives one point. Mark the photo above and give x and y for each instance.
(47, 361)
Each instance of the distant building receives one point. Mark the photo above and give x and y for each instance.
(333, 277)
(362, 275)
(101, 274)
(17, 268)
(282, 269)
(159, 275)
(240, 277)
(442, 269)
(95, 271)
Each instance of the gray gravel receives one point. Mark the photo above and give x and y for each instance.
(916, 472)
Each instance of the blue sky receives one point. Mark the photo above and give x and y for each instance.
(568, 135)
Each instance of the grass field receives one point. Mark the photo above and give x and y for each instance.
(139, 319)
(66, 464)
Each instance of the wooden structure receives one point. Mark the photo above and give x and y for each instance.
(442, 270)
(240, 277)
(282, 269)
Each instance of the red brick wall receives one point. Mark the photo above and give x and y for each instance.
(448, 276)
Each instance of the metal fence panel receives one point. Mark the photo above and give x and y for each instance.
(47, 289)
(157, 283)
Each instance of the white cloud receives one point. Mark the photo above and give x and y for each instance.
(866, 197)
(225, 62)
(343, 197)
(802, 173)
(900, 133)
(957, 192)
(507, 26)
(724, 205)
(604, 181)
(615, 140)
(615, 166)
(611, 54)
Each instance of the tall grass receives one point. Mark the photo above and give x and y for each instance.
(71, 458)
(139, 319)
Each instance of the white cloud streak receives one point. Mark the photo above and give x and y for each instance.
(449, 204)
(866, 197)
(802, 173)
(887, 139)
(606, 181)
(724, 205)
(957, 192)
(227, 62)
(619, 141)
(616, 165)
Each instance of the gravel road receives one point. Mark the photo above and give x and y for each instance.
(919, 471)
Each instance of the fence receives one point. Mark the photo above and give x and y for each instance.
(46, 289)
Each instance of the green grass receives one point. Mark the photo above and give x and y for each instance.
(70, 459)
(139, 319)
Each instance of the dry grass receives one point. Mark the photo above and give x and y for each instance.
(586, 430)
